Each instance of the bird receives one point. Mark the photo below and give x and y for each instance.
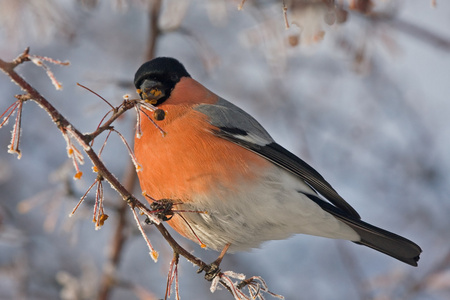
(229, 184)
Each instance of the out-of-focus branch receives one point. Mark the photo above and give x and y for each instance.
(411, 29)
(421, 33)
(119, 237)
(424, 281)
(154, 32)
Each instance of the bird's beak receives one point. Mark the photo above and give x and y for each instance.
(151, 91)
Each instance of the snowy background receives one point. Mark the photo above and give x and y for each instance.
(365, 102)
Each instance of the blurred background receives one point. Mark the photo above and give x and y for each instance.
(359, 89)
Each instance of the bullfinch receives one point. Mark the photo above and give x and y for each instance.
(230, 184)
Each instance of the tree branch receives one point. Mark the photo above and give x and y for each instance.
(64, 125)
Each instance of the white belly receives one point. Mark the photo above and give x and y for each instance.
(270, 210)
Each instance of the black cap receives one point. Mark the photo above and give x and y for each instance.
(167, 70)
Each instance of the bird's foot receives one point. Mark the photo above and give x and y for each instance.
(212, 270)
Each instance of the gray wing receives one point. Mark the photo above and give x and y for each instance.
(235, 125)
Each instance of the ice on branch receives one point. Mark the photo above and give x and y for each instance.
(74, 153)
(153, 253)
(256, 286)
(15, 134)
(39, 61)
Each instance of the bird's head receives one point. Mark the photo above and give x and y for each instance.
(156, 79)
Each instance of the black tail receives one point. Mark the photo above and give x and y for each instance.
(384, 241)
(376, 238)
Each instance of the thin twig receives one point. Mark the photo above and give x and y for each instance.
(180, 250)
(64, 125)
(117, 112)
(119, 239)
(95, 93)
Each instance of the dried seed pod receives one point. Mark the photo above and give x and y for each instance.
(159, 114)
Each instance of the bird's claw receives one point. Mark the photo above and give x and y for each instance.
(211, 271)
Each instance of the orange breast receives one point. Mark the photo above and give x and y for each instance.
(190, 160)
